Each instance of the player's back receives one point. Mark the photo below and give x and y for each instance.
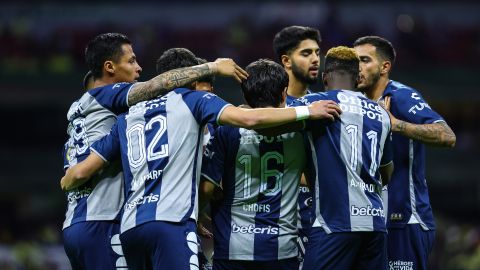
(348, 153)
(256, 219)
(161, 143)
(90, 118)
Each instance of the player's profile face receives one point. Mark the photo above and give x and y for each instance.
(369, 66)
(306, 61)
(127, 68)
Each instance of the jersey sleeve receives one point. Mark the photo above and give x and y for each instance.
(409, 105)
(214, 157)
(205, 107)
(108, 147)
(114, 97)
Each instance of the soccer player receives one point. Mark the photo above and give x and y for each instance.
(91, 222)
(159, 142)
(298, 50)
(351, 157)
(181, 57)
(255, 223)
(410, 219)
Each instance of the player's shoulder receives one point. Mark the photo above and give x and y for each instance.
(96, 91)
(399, 90)
(309, 98)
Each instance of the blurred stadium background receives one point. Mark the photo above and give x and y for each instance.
(42, 66)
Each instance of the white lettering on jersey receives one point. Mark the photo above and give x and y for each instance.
(359, 106)
(251, 229)
(367, 211)
(257, 207)
(142, 200)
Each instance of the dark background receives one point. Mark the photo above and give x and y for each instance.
(42, 67)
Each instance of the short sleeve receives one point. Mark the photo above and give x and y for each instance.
(205, 107)
(114, 97)
(409, 105)
(108, 147)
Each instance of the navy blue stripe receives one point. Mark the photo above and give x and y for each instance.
(222, 210)
(266, 244)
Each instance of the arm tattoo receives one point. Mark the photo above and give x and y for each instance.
(163, 83)
(436, 134)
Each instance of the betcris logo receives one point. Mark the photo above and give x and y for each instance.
(251, 229)
(152, 198)
(73, 196)
(367, 211)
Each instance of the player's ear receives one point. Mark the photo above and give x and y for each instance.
(286, 61)
(109, 67)
(385, 68)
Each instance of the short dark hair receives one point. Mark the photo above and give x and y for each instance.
(290, 37)
(342, 58)
(208, 79)
(265, 84)
(383, 47)
(175, 58)
(104, 47)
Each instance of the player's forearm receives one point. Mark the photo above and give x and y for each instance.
(73, 179)
(265, 117)
(206, 194)
(167, 81)
(436, 134)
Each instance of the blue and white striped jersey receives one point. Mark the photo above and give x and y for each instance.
(90, 118)
(305, 194)
(347, 154)
(291, 99)
(160, 144)
(257, 218)
(408, 200)
(304, 207)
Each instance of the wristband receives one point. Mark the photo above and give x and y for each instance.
(302, 112)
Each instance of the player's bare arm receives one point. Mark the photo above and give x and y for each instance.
(271, 117)
(436, 134)
(331, 108)
(80, 173)
(206, 190)
(176, 78)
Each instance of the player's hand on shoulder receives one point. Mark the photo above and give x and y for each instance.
(228, 67)
(324, 109)
(385, 103)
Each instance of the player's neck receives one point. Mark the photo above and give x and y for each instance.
(296, 88)
(376, 92)
(339, 85)
(104, 81)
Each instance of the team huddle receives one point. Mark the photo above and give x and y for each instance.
(290, 180)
